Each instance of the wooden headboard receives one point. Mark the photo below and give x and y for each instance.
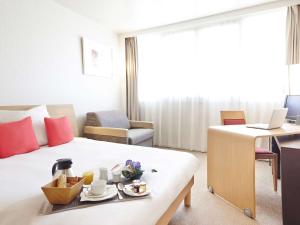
(54, 111)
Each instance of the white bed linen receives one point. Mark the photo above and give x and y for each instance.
(21, 176)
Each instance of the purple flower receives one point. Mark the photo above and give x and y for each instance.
(128, 162)
(137, 165)
(133, 165)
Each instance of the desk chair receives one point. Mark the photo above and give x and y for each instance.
(238, 118)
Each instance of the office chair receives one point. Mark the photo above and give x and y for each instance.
(238, 118)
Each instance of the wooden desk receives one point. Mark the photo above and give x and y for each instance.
(231, 162)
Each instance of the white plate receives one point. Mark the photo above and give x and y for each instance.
(110, 192)
(127, 190)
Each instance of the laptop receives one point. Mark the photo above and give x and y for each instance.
(276, 121)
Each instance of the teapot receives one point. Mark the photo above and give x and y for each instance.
(62, 166)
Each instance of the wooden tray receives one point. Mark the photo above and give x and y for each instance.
(77, 204)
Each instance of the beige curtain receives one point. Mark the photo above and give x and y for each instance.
(293, 35)
(131, 52)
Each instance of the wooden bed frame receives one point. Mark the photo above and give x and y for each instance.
(185, 195)
(68, 111)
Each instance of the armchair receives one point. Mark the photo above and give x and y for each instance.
(114, 126)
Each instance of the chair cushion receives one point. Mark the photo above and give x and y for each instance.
(136, 136)
(114, 119)
(262, 151)
(234, 121)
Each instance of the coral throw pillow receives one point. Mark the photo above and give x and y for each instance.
(37, 115)
(58, 130)
(17, 137)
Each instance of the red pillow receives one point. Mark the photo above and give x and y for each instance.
(17, 137)
(58, 130)
(234, 121)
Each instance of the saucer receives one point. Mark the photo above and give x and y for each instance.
(110, 192)
(128, 191)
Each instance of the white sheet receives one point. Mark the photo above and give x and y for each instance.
(21, 199)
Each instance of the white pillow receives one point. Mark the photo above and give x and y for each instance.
(37, 115)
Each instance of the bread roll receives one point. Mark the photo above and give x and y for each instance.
(62, 181)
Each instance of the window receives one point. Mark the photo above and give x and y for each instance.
(187, 77)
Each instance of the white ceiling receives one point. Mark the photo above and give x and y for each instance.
(130, 15)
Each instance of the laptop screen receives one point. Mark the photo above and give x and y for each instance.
(292, 102)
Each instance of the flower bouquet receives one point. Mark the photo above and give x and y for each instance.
(132, 170)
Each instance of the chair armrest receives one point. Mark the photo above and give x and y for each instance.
(116, 132)
(141, 124)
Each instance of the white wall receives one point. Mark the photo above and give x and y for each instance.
(40, 58)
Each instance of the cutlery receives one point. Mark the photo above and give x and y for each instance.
(118, 186)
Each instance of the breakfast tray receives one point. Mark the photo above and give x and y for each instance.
(77, 204)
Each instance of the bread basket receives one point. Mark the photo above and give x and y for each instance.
(62, 196)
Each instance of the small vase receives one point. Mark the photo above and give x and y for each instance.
(131, 176)
(136, 177)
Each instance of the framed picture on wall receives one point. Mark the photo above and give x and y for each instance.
(97, 58)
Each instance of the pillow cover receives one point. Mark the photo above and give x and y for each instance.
(17, 137)
(37, 115)
(59, 131)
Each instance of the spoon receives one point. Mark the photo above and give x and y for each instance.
(120, 187)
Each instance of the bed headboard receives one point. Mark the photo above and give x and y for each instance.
(54, 111)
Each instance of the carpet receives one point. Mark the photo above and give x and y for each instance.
(208, 209)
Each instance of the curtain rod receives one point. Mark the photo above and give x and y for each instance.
(206, 20)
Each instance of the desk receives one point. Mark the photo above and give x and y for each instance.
(231, 162)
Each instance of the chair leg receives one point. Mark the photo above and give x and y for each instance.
(274, 171)
(271, 161)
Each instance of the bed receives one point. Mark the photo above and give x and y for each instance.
(22, 201)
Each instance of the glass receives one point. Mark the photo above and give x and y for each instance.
(89, 176)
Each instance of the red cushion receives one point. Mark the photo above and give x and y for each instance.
(234, 121)
(17, 137)
(262, 151)
(58, 130)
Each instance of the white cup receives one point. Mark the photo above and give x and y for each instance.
(116, 175)
(98, 187)
(103, 174)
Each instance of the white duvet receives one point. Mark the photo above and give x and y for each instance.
(22, 201)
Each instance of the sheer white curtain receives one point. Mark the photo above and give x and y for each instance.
(187, 77)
